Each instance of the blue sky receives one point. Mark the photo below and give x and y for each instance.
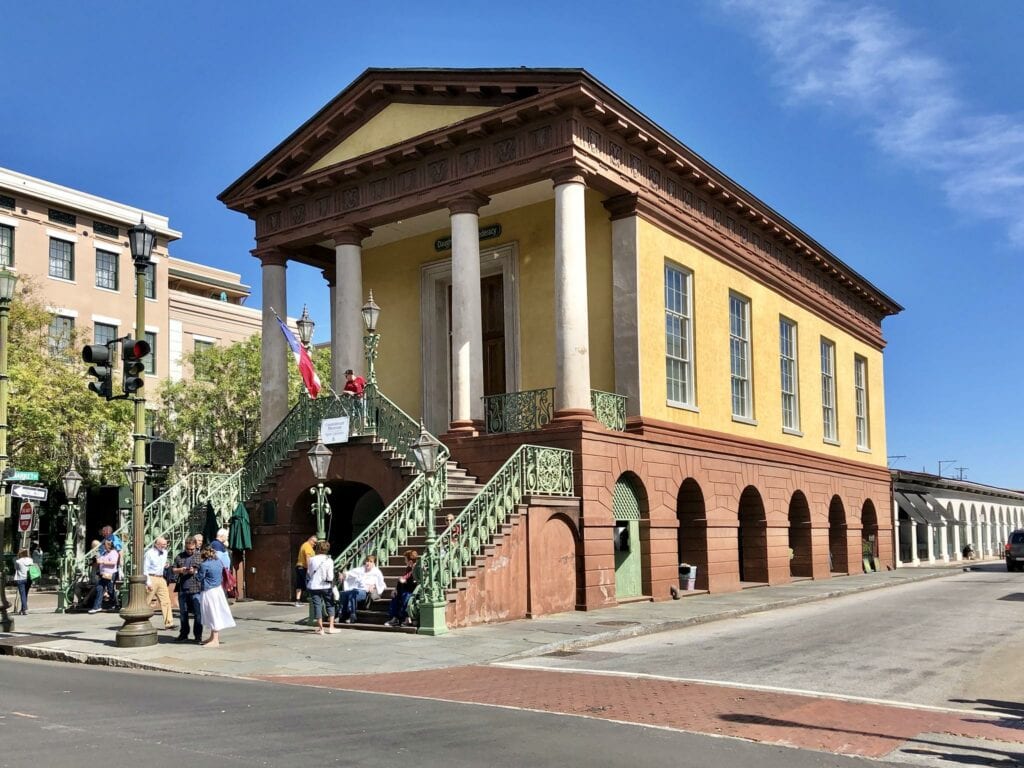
(893, 133)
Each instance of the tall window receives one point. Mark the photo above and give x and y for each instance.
(58, 341)
(860, 392)
(678, 335)
(106, 270)
(739, 356)
(150, 359)
(198, 349)
(149, 278)
(62, 259)
(788, 371)
(828, 390)
(6, 246)
(103, 333)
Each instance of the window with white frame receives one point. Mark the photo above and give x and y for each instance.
(61, 330)
(860, 398)
(150, 360)
(678, 335)
(106, 270)
(739, 356)
(829, 427)
(789, 377)
(6, 246)
(62, 259)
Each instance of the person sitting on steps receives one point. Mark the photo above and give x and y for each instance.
(358, 584)
(398, 611)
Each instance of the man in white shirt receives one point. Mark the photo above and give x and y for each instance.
(360, 582)
(156, 584)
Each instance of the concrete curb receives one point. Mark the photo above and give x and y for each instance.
(651, 628)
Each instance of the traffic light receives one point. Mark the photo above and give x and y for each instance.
(132, 352)
(98, 357)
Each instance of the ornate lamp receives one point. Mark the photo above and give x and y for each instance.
(424, 450)
(320, 460)
(141, 238)
(8, 282)
(305, 325)
(72, 484)
(371, 313)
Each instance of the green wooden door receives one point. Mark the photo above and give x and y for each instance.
(628, 562)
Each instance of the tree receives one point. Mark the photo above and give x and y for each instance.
(55, 421)
(214, 417)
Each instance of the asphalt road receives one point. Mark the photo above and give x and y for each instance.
(55, 715)
(952, 642)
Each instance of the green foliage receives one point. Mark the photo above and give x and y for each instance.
(214, 417)
(55, 421)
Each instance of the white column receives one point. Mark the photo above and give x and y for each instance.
(958, 546)
(467, 330)
(347, 319)
(929, 531)
(328, 274)
(274, 352)
(572, 326)
(914, 559)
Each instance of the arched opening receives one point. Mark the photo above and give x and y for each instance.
(554, 588)
(752, 538)
(838, 547)
(692, 534)
(801, 562)
(869, 536)
(628, 500)
(353, 507)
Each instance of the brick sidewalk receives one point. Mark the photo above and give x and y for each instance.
(807, 722)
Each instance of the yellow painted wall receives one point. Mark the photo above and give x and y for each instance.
(392, 271)
(395, 123)
(711, 284)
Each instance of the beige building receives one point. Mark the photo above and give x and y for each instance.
(73, 247)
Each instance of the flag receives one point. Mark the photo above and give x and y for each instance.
(306, 370)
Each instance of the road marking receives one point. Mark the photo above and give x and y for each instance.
(767, 688)
(25, 714)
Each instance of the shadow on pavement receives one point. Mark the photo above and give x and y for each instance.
(1015, 708)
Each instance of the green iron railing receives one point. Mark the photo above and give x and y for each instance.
(531, 471)
(533, 408)
(387, 535)
(519, 411)
(609, 409)
(172, 514)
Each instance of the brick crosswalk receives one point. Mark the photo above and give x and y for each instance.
(808, 722)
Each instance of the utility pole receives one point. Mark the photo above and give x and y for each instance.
(945, 461)
(894, 458)
(960, 471)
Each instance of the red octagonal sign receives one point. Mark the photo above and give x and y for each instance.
(25, 517)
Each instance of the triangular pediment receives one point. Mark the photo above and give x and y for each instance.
(387, 107)
(394, 124)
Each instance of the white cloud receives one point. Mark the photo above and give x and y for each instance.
(861, 60)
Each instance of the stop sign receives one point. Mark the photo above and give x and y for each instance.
(25, 517)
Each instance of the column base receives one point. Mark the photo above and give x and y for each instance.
(433, 621)
(465, 428)
(137, 631)
(582, 415)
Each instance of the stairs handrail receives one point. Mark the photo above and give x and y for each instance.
(393, 527)
(531, 470)
(163, 516)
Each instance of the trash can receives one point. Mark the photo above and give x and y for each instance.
(687, 576)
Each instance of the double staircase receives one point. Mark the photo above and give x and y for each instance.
(470, 519)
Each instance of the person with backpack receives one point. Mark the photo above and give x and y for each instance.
(21, 578)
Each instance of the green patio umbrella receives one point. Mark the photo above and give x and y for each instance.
(240, 538)
(239, 529)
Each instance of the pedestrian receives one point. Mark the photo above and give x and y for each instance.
(354, 388)
(320, 586)
(86, 586)
(186, 568)
(360, 583)
(398, 610)
(301, 565)
(107, 533)
(154, 565)
(21, 579)
(108, 562)
(214, 606)
(220, 546)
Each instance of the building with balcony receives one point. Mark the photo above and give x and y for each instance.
(73, 248)
(556, 270)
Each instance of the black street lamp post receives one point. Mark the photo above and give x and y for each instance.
(432, 609)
